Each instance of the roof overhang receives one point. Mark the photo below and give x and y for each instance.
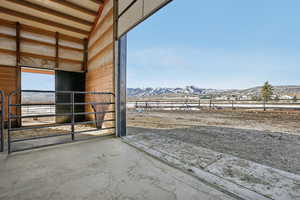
(133, 12)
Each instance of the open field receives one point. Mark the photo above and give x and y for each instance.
(273, 121)
(271, 138)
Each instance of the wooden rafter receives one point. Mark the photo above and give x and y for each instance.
(51, 11)
(9, 52)
(3, 35)
(52, 58)
(37, 71)
(42, 21)
(98, 1)
(96, 20)
(51, 33)
(75, 7)
(50, 44)
(24, 39)
(36, 30)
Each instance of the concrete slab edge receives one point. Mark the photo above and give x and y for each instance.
(225, 186)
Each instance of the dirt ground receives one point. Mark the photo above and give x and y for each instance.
(271, 138)
(54, 130)
(62, 131)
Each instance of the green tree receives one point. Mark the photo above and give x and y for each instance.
(254, 98)
(295, 98)
(266, 93)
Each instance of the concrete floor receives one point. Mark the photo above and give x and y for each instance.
(105, 168)
(247, 179)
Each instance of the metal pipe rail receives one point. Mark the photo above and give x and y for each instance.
(63, 104)
(2, 98)
(60, 92)
(71, 95)
(60, 114)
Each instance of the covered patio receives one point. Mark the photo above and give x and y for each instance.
(107, 169)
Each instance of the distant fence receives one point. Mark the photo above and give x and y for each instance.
(213, 104)
(40, 109)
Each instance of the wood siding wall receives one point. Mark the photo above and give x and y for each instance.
(47, 49)
(100, 70)
(39, 48)
(8, 83)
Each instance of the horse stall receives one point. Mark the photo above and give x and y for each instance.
(83, 44)
(73, 41)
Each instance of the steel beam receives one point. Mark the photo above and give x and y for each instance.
(120, 73)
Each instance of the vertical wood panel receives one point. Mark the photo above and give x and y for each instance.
(56, 50)
(100, 67)
(85, 55)
(8, 83)
(18, 69)
(39, 49)
(18, 55)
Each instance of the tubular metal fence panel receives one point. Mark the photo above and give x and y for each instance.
(2, 120)
(71, 103)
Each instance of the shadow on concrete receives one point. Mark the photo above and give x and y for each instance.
(278, 150)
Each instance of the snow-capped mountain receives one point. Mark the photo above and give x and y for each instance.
(193, 90)
(189, 90)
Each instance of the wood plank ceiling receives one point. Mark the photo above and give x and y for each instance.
(75, 18)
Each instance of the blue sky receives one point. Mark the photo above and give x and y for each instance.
(217, 44)
(32, 81)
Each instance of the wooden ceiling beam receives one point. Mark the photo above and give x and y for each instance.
(51, 11)
(3, 35)
(24, 39)
(52, 58)
(75, 7)
(98, 1)
(36, 30)
(99, 13)
(37, 71)
(42, 21)
(50, 44)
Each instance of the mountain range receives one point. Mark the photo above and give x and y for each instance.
(290, 90)
(193, 90)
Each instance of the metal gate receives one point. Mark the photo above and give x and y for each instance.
(2, 121)
(98, 104)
